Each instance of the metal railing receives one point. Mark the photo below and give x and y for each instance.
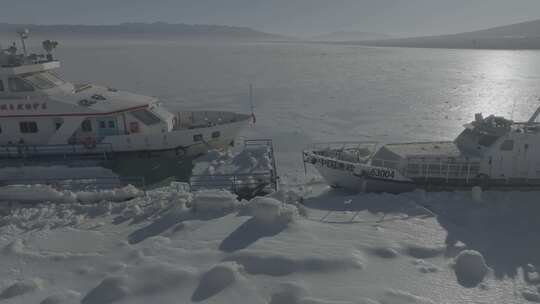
(244, 184)
(442, 168)
(345, 145)
(231, 182)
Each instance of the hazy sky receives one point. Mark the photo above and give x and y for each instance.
(299, 17)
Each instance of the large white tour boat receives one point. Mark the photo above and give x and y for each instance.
(44, 116)
(492, 152)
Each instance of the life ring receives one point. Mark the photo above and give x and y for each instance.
(89, 143)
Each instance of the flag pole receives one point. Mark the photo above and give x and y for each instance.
(251, 103)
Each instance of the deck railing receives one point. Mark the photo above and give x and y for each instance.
(442, 168)
(353, 152)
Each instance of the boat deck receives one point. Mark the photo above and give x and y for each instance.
(351, 152)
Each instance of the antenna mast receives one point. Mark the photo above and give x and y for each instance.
(23, 34)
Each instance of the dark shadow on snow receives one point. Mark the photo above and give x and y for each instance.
(340, 200)
(248, 233)
(504, 229)
(212, 283)
(169, 220)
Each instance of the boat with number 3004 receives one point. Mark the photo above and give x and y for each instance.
(492, 152)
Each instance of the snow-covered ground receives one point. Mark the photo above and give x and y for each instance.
(170, 246)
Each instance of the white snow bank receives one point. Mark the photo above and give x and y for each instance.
(141, 281)
(393, 296)
(214, 200)
(268, 210)
(22, 287)
(120, 194)
(45, 193)
(288, 293)
(384, 252)
(69, 296)
(320, 301)
(293, 293)
(531, 295)
(424, 266)
(35, 194)
(470, 268)
(18, 248)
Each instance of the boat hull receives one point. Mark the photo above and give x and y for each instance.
(355, 182)
(358, 177)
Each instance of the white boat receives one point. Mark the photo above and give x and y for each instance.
(42, 116)
(492, 152)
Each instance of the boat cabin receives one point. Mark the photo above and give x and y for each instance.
(38, 107)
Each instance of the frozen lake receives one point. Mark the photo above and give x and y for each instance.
(316, 92)
(170, 246)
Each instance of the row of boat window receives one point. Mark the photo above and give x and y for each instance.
(16, 85)
(86, 126)
(199, 137)
(27, 127)
(27, 83)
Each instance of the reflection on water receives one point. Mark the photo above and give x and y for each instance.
(500, 84)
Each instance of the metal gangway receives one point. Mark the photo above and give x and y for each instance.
(245, 185)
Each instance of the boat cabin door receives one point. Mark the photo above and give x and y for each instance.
(503, 160)
(523, 160)
(107, 126)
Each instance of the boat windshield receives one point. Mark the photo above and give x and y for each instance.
(147, 117)
(44, 80)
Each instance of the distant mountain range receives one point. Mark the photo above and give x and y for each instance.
(341, 36)
(158, 29)
(525, 35)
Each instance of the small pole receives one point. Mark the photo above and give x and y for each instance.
(23, 34)
(251, 103)
(251, 96)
